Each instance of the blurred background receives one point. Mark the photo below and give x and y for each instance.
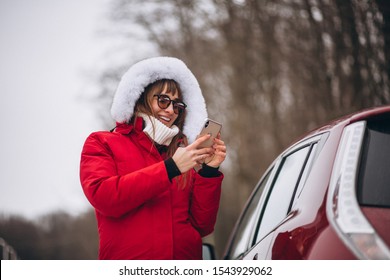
(270, 70)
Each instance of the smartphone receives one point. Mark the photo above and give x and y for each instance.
(210, 127)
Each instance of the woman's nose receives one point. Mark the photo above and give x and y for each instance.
(170, 108)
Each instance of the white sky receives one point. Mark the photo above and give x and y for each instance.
(45, 47)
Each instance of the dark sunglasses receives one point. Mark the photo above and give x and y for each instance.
(163, 101)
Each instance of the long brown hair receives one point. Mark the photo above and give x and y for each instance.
(144, 105)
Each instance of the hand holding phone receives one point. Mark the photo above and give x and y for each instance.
(210, 127)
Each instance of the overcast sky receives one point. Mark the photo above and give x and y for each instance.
(45, 48)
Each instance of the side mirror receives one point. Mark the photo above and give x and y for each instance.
(208, 252)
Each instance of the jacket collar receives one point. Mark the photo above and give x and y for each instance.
(126, 128)
(142, 139)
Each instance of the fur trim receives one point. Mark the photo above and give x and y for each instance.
(147, 71)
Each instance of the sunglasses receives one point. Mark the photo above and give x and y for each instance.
(163, 101)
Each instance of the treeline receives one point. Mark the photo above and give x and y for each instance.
(57, 236)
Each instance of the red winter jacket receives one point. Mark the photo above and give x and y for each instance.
(141, 214)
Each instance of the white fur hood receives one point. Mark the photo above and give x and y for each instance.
(150, 70)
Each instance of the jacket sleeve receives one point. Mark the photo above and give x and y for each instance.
(111, 194)
(205, 200)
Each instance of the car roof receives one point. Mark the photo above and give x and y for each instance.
(342, 121)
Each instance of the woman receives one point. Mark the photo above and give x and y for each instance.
(150, 202)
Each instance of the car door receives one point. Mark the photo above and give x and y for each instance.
(243, 233)
(276, 204)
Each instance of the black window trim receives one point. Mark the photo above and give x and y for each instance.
(319, 139)
(271, 171)
(273, 168)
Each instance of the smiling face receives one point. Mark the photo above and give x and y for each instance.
(159, 100)
(167, 116)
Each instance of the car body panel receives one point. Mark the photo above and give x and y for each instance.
(306, 232)
(380, 219)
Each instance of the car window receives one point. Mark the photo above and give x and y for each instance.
(280, 197)
(305, 171)
(374, 175)
(243, 233)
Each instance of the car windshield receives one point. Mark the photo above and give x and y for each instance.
(374, 175)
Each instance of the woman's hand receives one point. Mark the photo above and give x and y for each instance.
(219, 154)
(190, 156)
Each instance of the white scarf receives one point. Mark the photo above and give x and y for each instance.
(159, 132)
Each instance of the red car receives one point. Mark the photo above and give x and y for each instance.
(325, 197)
